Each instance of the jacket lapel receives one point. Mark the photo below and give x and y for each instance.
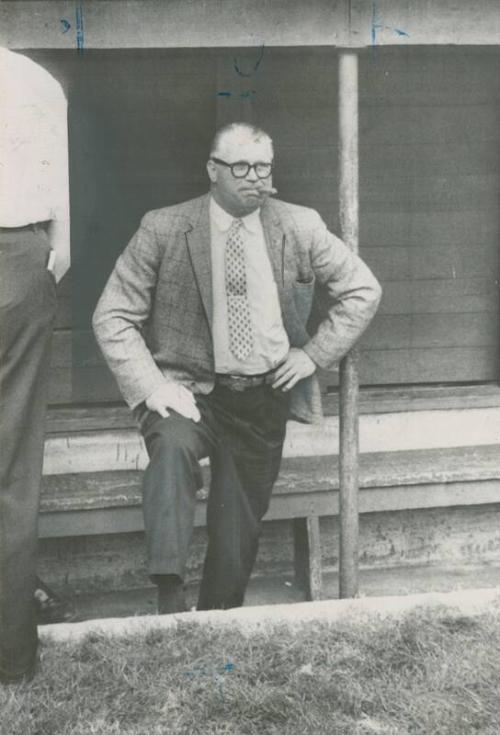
(198, 244)
(275, 241)
(279, 249)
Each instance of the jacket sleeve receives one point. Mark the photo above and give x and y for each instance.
(121, 312)
(353, 295)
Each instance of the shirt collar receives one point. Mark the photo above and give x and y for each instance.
(223, 220)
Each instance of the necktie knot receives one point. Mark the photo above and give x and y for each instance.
(236, 224)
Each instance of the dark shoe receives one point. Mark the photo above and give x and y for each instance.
(50, 608)
(171, 597)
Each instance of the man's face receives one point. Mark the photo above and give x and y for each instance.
(240, 196)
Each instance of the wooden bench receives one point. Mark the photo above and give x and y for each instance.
(107, 502)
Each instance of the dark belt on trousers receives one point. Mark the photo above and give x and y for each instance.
(243, 382)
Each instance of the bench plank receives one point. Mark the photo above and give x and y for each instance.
(306, 487)
(123, 449)
(90, 490)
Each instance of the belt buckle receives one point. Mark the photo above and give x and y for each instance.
(238, 383)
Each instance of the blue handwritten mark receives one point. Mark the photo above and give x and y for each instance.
(255, 66)
(197, 671)
(246, 93)
(209, 670)
(80, 34)
(376, 25)
(214, 673)
(66, 25)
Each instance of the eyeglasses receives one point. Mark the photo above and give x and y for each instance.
(240, 169)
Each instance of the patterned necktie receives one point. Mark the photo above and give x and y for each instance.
(238, 310)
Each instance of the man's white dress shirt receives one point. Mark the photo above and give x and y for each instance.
(34, 183)
(270, 341)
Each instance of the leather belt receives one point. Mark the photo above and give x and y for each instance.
(243, 382)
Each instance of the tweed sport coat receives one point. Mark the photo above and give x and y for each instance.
(153, 320)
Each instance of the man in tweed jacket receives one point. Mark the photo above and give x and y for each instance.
(204, 324)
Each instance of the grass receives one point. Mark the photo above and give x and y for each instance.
(427, 673)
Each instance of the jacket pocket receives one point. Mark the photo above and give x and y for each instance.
(303, 294)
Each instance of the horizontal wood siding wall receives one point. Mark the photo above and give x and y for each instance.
(140, 126)
(430, 218)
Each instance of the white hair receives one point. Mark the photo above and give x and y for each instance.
(237, 132)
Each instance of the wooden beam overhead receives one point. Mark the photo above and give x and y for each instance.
(424, 22)
(173, 24)
(108, 24)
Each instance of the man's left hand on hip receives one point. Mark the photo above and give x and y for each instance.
(298, 365)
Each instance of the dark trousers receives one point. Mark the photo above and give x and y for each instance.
(27, 309)
(242, 433)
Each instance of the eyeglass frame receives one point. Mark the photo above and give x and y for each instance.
(249, 166)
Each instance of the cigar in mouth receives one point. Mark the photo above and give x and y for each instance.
(268, 191)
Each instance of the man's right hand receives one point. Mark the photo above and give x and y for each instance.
(175, 396)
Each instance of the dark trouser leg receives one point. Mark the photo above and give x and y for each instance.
(175, 446)
(251, 427)
(27, 308)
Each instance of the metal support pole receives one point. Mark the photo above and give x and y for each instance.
(349, 389)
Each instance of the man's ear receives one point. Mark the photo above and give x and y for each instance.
(212, 171)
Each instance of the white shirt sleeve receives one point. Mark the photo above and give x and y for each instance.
(34, 182)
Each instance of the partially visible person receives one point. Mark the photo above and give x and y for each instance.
(34, 255)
